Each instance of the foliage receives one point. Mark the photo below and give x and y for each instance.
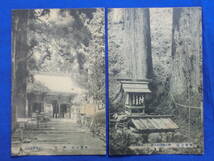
(119, 141)
(65, 41)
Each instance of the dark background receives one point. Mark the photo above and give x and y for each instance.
(5, 72)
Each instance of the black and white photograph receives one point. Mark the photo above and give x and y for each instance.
(155, 81)
(58, 82)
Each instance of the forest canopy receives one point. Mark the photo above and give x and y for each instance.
(61, 41)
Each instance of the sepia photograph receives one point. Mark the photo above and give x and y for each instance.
(155, 81)
(58, 82)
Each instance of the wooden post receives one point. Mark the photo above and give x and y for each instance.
(69, 111)
(29, 109)
(59, 106)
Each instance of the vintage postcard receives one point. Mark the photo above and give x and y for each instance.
(58, 104)
(155, 81)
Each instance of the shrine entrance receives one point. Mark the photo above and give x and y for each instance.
(37, 107)
(65, 111)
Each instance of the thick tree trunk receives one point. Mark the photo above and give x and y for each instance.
(20, 49)
(137, 45)
(186, 51)
(186, 75)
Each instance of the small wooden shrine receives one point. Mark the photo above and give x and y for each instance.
(135, 92)
(138, 120)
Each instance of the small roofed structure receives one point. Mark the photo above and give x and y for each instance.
(135, 91)
(51, 93)
(135, 118)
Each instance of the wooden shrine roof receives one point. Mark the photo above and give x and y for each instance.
(135, 87)
(154, 124)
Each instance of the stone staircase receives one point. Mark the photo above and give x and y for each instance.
(57, 131)
(58, 136)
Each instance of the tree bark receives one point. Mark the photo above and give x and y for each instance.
(20, 51)
(137, 45)
(186, 51)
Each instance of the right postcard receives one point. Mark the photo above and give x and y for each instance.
(155, 81)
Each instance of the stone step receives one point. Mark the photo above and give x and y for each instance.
(57, 124)
(56, 127)
(60, 124)
(56, 132)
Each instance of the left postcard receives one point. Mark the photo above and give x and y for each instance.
(58, 82)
